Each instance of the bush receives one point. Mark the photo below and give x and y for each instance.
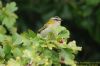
(31, 49)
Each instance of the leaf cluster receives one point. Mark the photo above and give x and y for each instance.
(83, 13)
(31, 49)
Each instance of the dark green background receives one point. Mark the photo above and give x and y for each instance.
(81, 17)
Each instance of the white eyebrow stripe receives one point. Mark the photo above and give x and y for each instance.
(56, 19)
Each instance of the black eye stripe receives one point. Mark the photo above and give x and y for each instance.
(57, 19)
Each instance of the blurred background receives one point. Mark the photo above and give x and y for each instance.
(80, 17)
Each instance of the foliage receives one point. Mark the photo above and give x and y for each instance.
(31, 49)
(84, 13)
(8, 17)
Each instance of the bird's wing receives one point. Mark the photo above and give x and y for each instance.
(45, 26)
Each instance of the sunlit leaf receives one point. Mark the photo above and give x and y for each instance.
(72, 45)
(29, 48)
(2, 30)
(67, 57)
(13, 62)
(17, 52)
(17, 39)
(2, 37)
(2, 64)
(11, 7)
(9, 22)
(2, 54)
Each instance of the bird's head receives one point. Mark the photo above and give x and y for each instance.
(55, 19)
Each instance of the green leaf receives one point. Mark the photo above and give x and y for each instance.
(2, 30)
(47, 53)
(26, 42)
(31, 33)
(72, 45)
(64, 34)
(61, 32)
(55, 57)
(7, 49)
(12, 62)
(27, 53)
(11, 7)
(2, 54)
(2, 37)
(17, 39)
(51, 36)
(8, 17)
(68, 57)
(17, 52)
(9, 22)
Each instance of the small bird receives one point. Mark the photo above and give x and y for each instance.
(53, 22)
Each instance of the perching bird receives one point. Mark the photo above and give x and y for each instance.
(54, 22)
